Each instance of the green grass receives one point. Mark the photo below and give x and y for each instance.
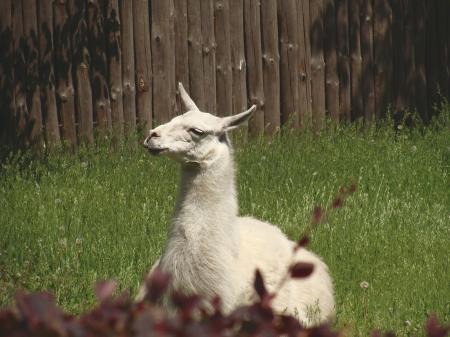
(70, 220)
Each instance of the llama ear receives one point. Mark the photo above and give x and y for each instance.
(187, 100)
(233, 122)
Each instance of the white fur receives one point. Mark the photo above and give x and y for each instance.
(211, 250)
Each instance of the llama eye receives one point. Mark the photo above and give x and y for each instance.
(196, 131)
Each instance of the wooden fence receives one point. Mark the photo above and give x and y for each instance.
(69, 68)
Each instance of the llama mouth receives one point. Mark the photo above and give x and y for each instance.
(156, 151)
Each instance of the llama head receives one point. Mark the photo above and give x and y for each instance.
(195, 136)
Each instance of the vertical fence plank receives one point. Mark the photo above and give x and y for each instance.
(409, 55)
(47, 73)
(97, 46)
(432, 59)
(7, 120)
(238, 62)
(271, 66)
(239, 66)
(209, 55)
(317, 63)
(115, 65)
(32, 68)
(128, 67)
(63, 57)
(81, 64)
(304, 61)
(382, 45)
(181, 47)
(163, 60)
(356, 59)
(443, 9)
(172, 61)
(196, 78)
(287, 13)
(448, 47)
(368, 91)
(223, 57)
(307, 23)
(330, 53)
(21, 112)
(398, 44)
(420, 57)
(343, 59)
(253, 52)
(143, 58)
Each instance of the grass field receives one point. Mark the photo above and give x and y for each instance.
(70, 220)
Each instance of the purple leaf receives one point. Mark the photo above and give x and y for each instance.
(434, 329)
(157, 284)
(41, 313)
(261, 314)
(104, 290)
(150, 323)
(375, 333)
(288, 325)
(317, 215)
(260, 288)
(304, 241)
(186, 303)
(323, 331)
(216, 303)
(9, 322)
(337, 203)
(301, 269)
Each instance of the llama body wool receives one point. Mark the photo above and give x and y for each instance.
(213, 251)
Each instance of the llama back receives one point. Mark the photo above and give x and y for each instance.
(265, 247)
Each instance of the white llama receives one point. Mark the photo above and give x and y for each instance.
(211, 250)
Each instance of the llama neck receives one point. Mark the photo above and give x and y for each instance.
(207, 201)
(203, 243)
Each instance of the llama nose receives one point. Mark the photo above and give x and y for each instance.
(153, 134)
